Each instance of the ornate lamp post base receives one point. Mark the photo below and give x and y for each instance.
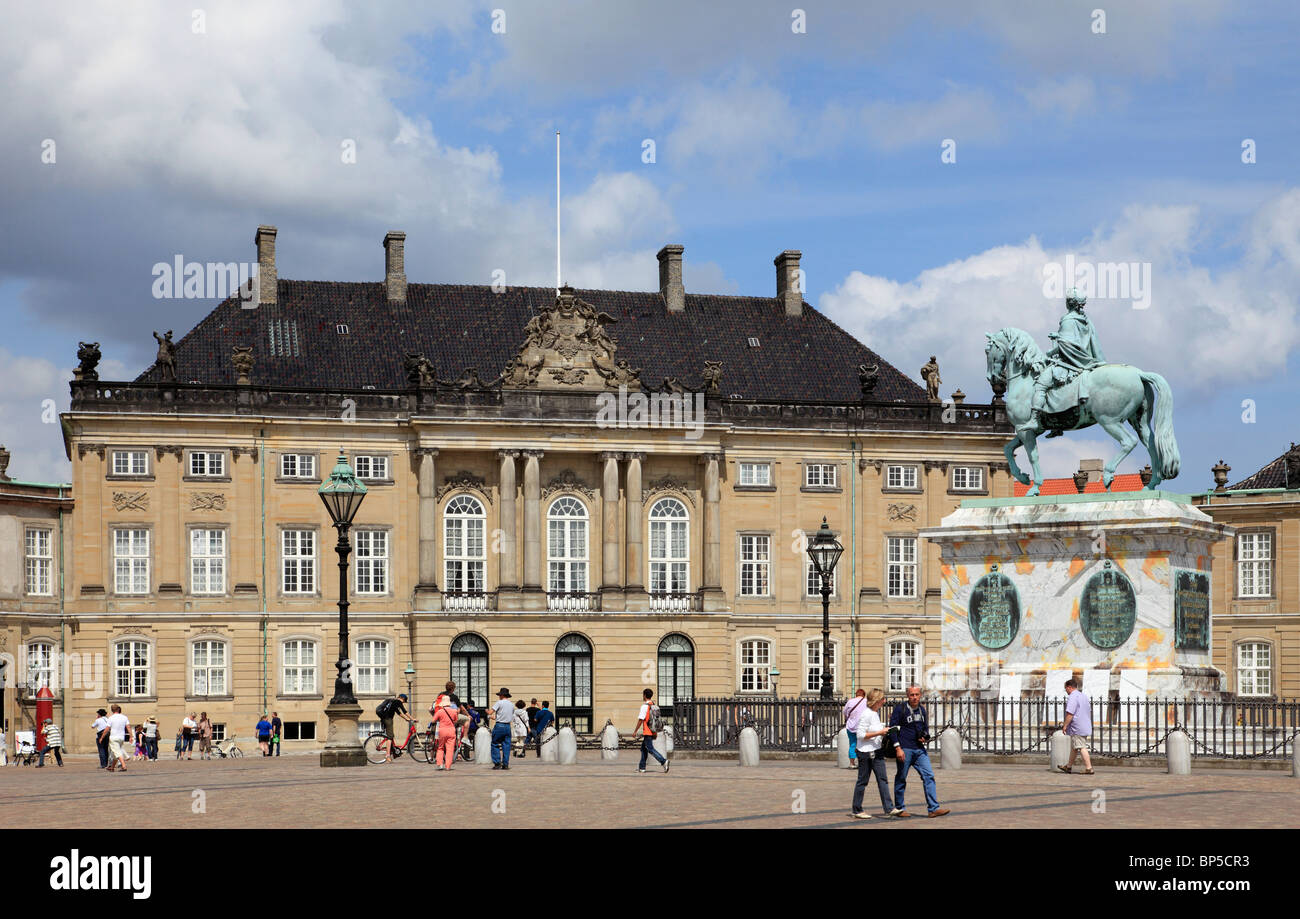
(342, 745)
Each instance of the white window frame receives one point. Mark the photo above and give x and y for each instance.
(132, 569)
(371, 556)
(207, 464)
(568, 534)
(299, 462)
(975, 472)
(1260, 673)
(133, 668)
(127, 459)
(299, 671)
(38, 561)
(827, 475)
(754, 665)
(365, 465)
(904, 472)
(44, 669)
(372, 675)
(755, 565)
(302, 564)
(754, 475)
(809, 665)
(216, 676)
(464, 545)
(669, 539)
(909, 672)
(1255, 564)
(207, 569)
(898, 566)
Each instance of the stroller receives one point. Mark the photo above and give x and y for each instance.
(25, 747)
(226, 749)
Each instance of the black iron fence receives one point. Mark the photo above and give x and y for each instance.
(1232, 729)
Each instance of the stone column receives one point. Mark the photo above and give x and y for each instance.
(535, 596)
(711, 585)
(508, 576)
(426, 589)
(635, 570)
(610, 586)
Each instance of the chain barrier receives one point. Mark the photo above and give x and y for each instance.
(1280, 745)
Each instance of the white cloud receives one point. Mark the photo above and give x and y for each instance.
(1067, 96)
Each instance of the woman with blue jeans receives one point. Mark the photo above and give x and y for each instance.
(869, 732)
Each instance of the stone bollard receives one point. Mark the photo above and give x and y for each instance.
(1178, 750)
(482, 747)
(950, 749)
(843, 743)
(1295, 762)
(749, 747)
(1060, 750)
(550, 752)
(567, 743)
(609, 742)
(663, 742)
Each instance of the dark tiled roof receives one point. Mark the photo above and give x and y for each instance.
(457, 326)
(1272, 475)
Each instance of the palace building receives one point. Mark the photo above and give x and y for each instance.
(573, 495)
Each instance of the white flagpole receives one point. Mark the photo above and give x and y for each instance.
(557, 213)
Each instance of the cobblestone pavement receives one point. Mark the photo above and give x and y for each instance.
(294, 791)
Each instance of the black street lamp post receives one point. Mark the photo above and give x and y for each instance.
(342, 495)
(825, 550)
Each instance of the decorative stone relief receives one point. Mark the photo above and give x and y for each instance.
(419, 371)
(669, 483)
(83, 448)
(244, 451)
(712, 375)
(242, 360)
(207, 501)
(902, 512)
(568, 481)
(465, 480)
(159, 450)
(568, 341)
(868, 377)
(88, 354)
(130, 500)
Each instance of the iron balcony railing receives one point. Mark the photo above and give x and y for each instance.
(1231, 729)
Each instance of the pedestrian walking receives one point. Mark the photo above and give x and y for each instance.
(116, 733)
(852, 713)
(913, 734)
(1078, 725)
(868, 737)
(53, 742)
(545, 717)
(503, 715)
(647, 723)
(189, 727)
(532, 720)
(519, 729)
(138, 733)
(446, 712)
(277, 731)
(264, 735)
(151, 731)
(101, 744)
(179, 746)
(205, 736)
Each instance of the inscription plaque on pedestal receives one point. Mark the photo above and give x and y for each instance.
(994, 613)
(1108, 608)
(1191, 610)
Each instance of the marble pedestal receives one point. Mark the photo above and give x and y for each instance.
(342, 745)
(1116, 584)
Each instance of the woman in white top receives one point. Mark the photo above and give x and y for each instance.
(870, 732)
(519, 728)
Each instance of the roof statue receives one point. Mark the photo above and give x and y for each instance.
(1073, 387)
(567, 344)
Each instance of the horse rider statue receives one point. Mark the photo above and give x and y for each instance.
(1075, 351)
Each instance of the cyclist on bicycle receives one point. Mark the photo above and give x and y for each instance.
(387, 711)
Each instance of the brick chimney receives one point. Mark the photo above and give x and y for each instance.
(670, 277)
(267, 279)
(395, 266)
(789, 281)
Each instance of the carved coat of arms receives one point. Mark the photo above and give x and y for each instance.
(567, 346)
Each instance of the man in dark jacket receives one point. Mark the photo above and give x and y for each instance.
(913, 734)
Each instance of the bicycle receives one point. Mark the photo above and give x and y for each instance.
(229, 751)
(420, 746)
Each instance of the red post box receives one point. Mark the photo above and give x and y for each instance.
(44, 709)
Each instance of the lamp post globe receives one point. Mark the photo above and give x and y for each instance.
(342, 494)
(825, 551)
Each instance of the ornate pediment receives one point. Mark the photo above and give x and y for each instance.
(670, 483)
(568, 481)
(567, 347)
(465, 481)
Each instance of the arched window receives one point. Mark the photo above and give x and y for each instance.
(669, 547)
(464, 546)
(676, 671)
(208, 660)
(755, 665)
(469, 668)
(573, 683)
(132, 668)
(566, 546)
(904, 667)
(41, 669)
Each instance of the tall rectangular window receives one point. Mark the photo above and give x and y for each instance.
(131, 561)
(208, 667)
(1254, 669)
(372, 561)
(371, 667)
(298, 561)
(40, 664)
(904, 670)
(131, 668)
(755, 665)
(755, 564)
(813, 587)
(900, 555)
(299, 657)
(40, 562)
(207, 561)
(813, 665)
(1255, 564)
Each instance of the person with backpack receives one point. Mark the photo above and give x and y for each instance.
(870, 737)
(852, 713)
(913, 734)
(648, 725)
(388, 710)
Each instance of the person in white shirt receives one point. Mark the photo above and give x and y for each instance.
(870, 730)
(4, 747)
(503, 714)
(98, 726)
(115, 733)
(188, 727)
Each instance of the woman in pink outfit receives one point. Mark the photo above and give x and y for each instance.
(444, 719)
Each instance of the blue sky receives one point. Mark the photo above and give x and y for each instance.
(1115, 145)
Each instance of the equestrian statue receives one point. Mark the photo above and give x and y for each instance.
(1073, 387)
